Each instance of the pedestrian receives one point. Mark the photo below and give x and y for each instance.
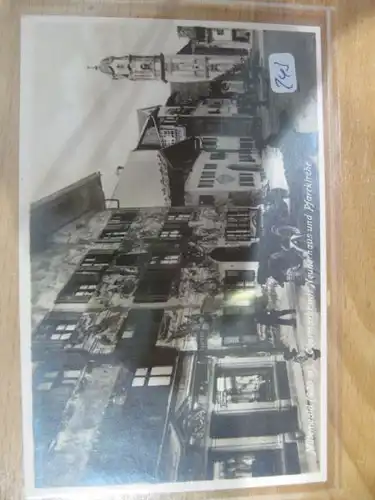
(290, 354)
(294, 355)
(281, 262)
(272, 317)
(313, 353)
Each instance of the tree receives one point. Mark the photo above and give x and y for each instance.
(120, 285)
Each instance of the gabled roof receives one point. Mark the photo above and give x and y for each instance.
(147, 116)
(143, 115)
(186, 49)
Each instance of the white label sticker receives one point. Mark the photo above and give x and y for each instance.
(282, 73)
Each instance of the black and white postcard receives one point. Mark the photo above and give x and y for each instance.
(172, 254)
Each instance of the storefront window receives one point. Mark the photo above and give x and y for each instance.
(250, 464)
(245, 386)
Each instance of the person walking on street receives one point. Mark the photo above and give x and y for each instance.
(257, 309)
(298, 357)
(272, 317)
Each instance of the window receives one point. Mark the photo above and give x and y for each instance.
(72, 374)
(206, 184)
(96, 260)
(240, 340)
(175, 230)
(169, 120)
(122, 217)
(165, 260)
(157, 376)
(118, 227)
(173, 111)
(63, 331)
(206, 200)
(247, 179)
(172, 234)
(171, 259)
(259, 463)
(238, 227)
(169, 136)
(58, 326)
(246, 157)
(45, 386)
(227, 341)
(129, 259)
(113, 234)
(80, 288)
(209, 167)
(209, 143)
(238, 235)
(84, 290)
(238, 213)
(220, 32)
(54, 379)
(207, 179)
(246, 143)
(216, 103)
(240, 168)
(244, 385)
(179, 217)
(237, 280)
(218, 155)
(90, 262)
(130, 324)
(157, 285)
(128, 332)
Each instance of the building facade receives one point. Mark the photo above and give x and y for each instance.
(211, 117)
(219, 177)
(190, 387)
(218, 122)
(215, 35)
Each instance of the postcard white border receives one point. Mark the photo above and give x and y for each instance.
(25, 285)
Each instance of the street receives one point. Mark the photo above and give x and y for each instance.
(306, 375)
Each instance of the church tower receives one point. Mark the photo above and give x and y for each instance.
(132, 67)
(169, 68)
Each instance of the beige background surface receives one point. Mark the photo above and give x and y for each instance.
(351, 255)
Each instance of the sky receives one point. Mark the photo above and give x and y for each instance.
(76, 121)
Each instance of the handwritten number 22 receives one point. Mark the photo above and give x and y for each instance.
(283, 75)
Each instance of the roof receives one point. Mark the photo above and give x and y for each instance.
(186, 49)
(143, 115)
